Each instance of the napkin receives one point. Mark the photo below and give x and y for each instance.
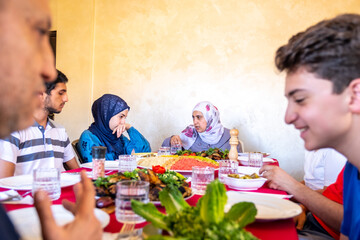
(7, 195)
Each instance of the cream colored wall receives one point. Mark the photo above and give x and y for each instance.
(164, 56)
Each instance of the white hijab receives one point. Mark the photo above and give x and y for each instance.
(214, 129)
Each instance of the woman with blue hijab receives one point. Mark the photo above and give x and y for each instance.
(110, 112)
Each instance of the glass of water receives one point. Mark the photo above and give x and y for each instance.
(227, 167)
(48, 180)
(175, 148)
(127, 163)
(164, 151)
(200, 178)
(125, 192)
(255, 159)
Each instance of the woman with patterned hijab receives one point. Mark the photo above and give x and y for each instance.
(206, 132)
(110, 112)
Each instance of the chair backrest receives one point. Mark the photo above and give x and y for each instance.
(242, 145)
(74, 145)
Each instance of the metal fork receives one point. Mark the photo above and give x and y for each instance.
(127, 228)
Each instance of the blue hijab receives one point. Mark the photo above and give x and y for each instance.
(103, 109)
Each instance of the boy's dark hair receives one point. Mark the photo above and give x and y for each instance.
(329, 49)
(61, 78)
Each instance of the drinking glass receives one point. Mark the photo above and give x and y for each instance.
(125, 191)
(164, 151)
(200, 178)
(48, 180)
(175, 148)
(227, 167)
(255, 159)
(98, 161)
(127, 163)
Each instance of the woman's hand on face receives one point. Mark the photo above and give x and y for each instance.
(127, 126)
(175, 140)
(119, 130)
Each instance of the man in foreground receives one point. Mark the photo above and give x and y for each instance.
(26, 61)
(323, 91)
(43, 145)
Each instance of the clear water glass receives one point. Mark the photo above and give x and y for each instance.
(255, 159)
(200, 178)
(227, 167)
(175, 148)
(125, 192)
(48, 180)
(164, 151)
(127, 163)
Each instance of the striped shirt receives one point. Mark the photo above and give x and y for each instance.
(37, 147)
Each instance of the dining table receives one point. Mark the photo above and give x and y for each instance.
(264, 229)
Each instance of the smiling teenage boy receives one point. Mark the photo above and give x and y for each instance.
(322, 86)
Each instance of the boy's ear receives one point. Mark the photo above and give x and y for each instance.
(354, 88)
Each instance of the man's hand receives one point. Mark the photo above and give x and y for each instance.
(278, 178)
(175, 140)
(300, 219)
(84, 226)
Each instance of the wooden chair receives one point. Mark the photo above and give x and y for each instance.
(74, 145)
(242, 145)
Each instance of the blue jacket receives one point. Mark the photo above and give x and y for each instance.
(137, 142)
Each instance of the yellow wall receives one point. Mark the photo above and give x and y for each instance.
(164, 56)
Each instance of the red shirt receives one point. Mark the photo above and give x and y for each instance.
(333, 192)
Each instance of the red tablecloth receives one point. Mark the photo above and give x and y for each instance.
(279, 229)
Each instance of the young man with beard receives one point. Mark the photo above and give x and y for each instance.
(322, 86)
(26, 61)
(43, 145)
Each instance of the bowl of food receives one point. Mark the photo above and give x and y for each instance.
(244, 181)
(246, 154)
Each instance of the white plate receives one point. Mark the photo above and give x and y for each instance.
(109, 165)
(27, 223)
(244, 184)
(24, 182)
(246, 159)
(268, 207)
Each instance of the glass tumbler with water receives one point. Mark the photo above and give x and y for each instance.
(98, 161)
(227, 167)
(255, 159)
(174, 148)
(48, 180)
(127, 163)
(200, 178)
(164, 151)
(125, 192)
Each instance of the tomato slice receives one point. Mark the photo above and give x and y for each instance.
(158, 169)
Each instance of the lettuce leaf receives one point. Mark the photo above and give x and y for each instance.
(150, 213)
(243, 213)
(212, 204)
(172, 200)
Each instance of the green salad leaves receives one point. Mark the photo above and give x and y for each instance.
(207, 220)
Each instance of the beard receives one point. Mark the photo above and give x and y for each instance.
(52, 110)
